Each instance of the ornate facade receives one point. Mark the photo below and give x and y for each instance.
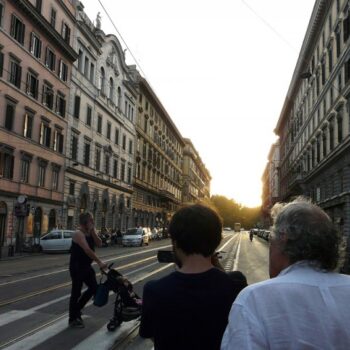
(158, 163)
(314, 125)
(101, 130)
(196, 177)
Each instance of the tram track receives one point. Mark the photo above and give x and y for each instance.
(61, 316)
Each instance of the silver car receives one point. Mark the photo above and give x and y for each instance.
(135, 237)
(57, 241)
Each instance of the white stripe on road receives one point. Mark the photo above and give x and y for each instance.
(64, 270)
(235, 265)
(103, 339)
(223, 247)
(58, 324)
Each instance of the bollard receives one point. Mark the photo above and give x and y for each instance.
(11, 251)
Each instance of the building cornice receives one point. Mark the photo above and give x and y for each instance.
(27, 8)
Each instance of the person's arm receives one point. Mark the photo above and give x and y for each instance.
(80, 239)
(96, 238)
(243, 331)
(146, 326)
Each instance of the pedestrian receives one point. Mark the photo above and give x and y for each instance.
(305, 304)
(82, 255)
(188, 309)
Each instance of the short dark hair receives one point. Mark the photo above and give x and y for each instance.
(196, 229)
(84, 218)
(310, 233)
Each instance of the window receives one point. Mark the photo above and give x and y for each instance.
(330, 58)
(323, 70)
(35, 45)
(76, 107)
(55, 176)
(32, 85)
(99, 124)
(65, 32)
(45, 134)
(92, 72)
(60, 105)
(38, 5)
(87, 153)
(10, 116)
(124, 142)
(88, 115)
(347, 70)
(337, 40)
(98, 158)
(111, 89)
(346, 28)
(129, 173)
(331, 136)
(86, 67)
(28, 125)
(102, 81)
(74, 147)
(130, 146)
(17, 30)
(6, 162)
(71, 188)
(42, 173)
(80, 61)
(115, 168)
(106, 164)
(122, 172)
(48, 96)
(25, 163)
(53, 18)
(15, 73)
(63, 71)
(116, 136)
(324, 143)
(340, 127)
(50, 60)
(109, 127)
(1, 13)
(1, 63)
(58, 141)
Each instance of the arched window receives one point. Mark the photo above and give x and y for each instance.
(102, 80)
(111, 89)
(119, 97)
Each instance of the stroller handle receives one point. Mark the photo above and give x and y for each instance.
(109, 267)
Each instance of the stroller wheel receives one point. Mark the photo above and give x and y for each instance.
(113, 324)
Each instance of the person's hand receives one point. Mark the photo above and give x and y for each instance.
(215, 261)
(102, 265)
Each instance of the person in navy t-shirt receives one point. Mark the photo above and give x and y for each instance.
(189, 308)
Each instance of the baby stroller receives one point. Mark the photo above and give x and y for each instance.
(127, 305)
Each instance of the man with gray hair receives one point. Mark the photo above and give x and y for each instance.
(305, 305)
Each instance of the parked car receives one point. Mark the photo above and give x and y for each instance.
(254, 231)
(56, 241)
(135, 237)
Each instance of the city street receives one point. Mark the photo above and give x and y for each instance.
(34, 294)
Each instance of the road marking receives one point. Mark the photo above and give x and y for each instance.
(16, 316)
(64, 270)
(65, 284)
(235, 265)
(223, 247)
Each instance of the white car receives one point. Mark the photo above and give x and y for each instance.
(135, 237)
(57, 241)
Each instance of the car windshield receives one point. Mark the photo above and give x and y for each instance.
(133, 232)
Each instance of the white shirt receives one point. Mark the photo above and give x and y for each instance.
(302, 308)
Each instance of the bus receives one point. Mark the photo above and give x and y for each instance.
(237, 227)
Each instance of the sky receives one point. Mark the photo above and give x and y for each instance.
(221, 69)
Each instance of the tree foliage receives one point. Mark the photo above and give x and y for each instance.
(232, 212)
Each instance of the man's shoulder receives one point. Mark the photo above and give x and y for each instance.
(161, 283)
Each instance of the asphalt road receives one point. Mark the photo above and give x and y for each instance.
(35, 290)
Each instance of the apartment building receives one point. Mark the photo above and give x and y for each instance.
(195, 176)
(314, 125)
(36, 57)
(101, 130)
(158, 162)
